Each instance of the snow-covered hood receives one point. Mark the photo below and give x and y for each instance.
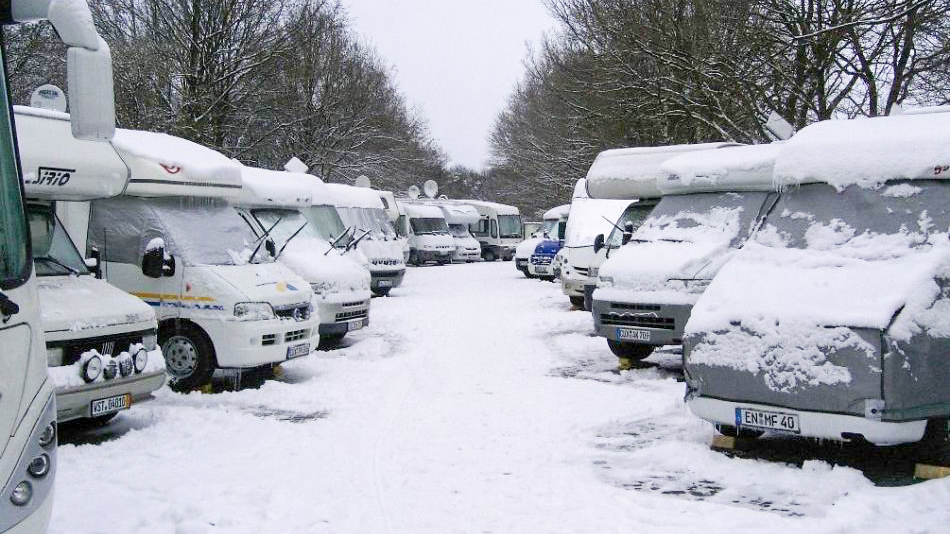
(327, 274)
(527, 247)
(385, 254)
(652, 265)
(83, 306)
(264, 282)
(466, 243)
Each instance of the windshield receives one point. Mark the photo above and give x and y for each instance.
(402, 226)
(283, 224)
(703, 217)
(509, 226)
(636, 214)
(549, 228)
(205, 231)
(53, 251)
(459, 230)
(429, 226)
(13, 251)
(373, 220)
(325, 222)
(868, 223)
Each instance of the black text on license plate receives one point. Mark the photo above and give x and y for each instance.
(110, 404)
(297, 351)
(783, 422)
(633, 334)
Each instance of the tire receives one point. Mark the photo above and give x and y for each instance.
(631, 351)
(546, 278)
(733, 432)
(381, 292)
(413, 258)
(189, 357)
(578, 301)
(489, 256)
(934, 447)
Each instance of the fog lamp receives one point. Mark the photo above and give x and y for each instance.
(22, 494)
(110, 370)
(125, 364)
(92, 369)
(40, 465)
(141, 360)
(48, 435)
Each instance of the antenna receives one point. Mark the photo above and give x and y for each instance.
(414, 192)
(363, 181)
(779, 127)
(48, 97)
(431, 188)
(295, 165)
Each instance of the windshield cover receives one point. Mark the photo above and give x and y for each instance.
(368, 219)
(429, 226)
(325, 222)
(509, 226)
(636, 214)
(287, 222)
(703, 217)
(53, 251)
(459, 230)
(207, 231)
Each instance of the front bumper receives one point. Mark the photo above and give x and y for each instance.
(242, 345)
(641, 323)
(818, 425)
(572, 287)
(342, 317)
(426, 256)
(386, 279)
(541, 265)
(521, 264)
(465, 256)
(76, 402)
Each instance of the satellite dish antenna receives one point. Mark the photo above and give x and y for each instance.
(414, 192)
(431, 188)
(363, 181)
(779, 127)
(48, 97)
(295, 165)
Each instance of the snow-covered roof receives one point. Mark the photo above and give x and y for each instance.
(926, 109)
(739, 168)
(557, 213)
(347, 196)
(57, 166)
(460, 213)
(423, 211)
(484, 207)
(164, 165)
(628, 173)
(867, 151)
(263, 187)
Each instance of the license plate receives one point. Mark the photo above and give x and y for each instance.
(385, 283)
(542, 270)
(356, 325)
(110, 404)
(633, 333)
(297, 351)
(782, 422)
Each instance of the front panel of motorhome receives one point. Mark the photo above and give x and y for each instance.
(499, 230)
(430, 240)
(459, 217)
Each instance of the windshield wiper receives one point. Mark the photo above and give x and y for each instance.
(352, 244)
(262, 239)
(338, 238)
(291, 238)
(671, 240)
(54, 261)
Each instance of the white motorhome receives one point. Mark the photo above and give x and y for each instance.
(459, 217)
(101, 342)
(401, 224)
(498, 230)
(277, 205)
(712, 202)
(27, 400)
(548, 229)
(362, 210)
(174, 240)
(429, 236)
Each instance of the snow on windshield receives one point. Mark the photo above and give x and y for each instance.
(366, 219)
(224, 237)
(283, 224)
(325, 221)
(590, 218)
(702, 217)
(426, 225)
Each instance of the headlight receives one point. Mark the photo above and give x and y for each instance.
(321, 288)
(150, 340)
(140, 359)
(605, 281)
(696, 285)
(253, 311)
(593, 272)
(54, 356)
(47, 436)
(22, 494)
(92, 369)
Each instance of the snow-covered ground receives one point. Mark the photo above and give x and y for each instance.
(477, 402)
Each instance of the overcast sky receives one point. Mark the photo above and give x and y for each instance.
(455, 60)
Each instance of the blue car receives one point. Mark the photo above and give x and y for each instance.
(541, 262)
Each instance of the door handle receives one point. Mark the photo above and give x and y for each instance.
(8, 308)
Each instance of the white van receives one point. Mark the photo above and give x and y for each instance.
(498, 230)
(459, 217)
(712, 202)
(402, 230)
(174, 240)
(102, 352)
(429, 236)
(278, 205)
(362, 210)
(548, 230)
(27, 400)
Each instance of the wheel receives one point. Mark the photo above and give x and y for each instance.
(631, 351)
(381, 292)
(934, 447)
(578, 301)
(413, 258)
(330, 340)
(489, 255)
(729, 430)
(189, 357)
(546, 278)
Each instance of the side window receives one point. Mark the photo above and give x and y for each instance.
(481, 228)
(14, 262)
(494, 228)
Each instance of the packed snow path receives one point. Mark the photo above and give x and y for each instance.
(476, 402)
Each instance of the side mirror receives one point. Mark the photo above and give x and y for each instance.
(168, 266)
(627, 232)
(271, 247)
(91, 100)
(153, 262)
(94, 262)
(561, 230)
(598, 243)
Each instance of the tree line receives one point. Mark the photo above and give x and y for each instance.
(258, 81)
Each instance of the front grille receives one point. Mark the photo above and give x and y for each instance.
(639, 321)
(583, 271)
(350, 315)
(541, 260)
(111, 345)
(269, 339)
(351, 304)
(299, 313)
(296, 335)
(636, 307)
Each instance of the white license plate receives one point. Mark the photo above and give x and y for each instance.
(110, 404)
(385, 283)
(297, 351)
(783, 422)
(542, 270)
(633, 333)
(356, 325)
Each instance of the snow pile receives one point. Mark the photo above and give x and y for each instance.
(262, 187)
(423, 211)
(347, 196)
(867, 152)
(330, 275)
(460, 214)
(742, 168)
(590, 218)
(526, 248)
(556, 214)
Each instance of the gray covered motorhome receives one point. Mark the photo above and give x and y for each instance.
(833, 321)
(712, 202)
